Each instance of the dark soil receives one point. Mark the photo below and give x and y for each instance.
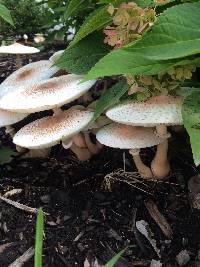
(86, 220)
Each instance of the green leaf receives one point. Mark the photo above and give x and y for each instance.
(175, 34)
(114, 260)
(95, 21)
(144, 3)
(5, 14)
(127, 62)
(113, 2)
(191, 119)
(83, 56)
(111, 97)
(116, 3)
(6, 154)
(123, 62)
(39, 239)
(73, 7)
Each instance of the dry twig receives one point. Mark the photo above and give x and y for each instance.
(20, 206)
(159, 218)
(19, 262)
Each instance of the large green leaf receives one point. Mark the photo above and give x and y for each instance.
(141, 3)
(125, 62)
(73, 7)
(111, 97)
(5, 14)
(95, 21)
(175, 34)
(82, 57)
(191, 119)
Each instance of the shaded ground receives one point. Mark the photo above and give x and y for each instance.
(86, 220)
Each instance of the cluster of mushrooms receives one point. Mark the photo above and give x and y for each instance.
(40, 86)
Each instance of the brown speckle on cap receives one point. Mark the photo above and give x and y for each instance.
(155, 111)
(126, 137)
(50, 130)
(25, 74)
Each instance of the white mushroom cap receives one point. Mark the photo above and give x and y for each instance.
(56, 56)
(127, 137)
(31, 73)
(8, 118)
(47, 94)
(155, 111)
(17, 48)
(50, 130)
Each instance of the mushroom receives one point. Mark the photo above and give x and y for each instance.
(56, 56)
(49, 131)
(132, 138)
(8, 118)
(48, 94)
(18, 49)
(39, 38)
(31, 73)
(159, 112)
(28, 74)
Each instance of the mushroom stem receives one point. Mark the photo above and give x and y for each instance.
(160, 165)
(86, 98)
(93, 148)
(18, 61)
(82, 154)
(37, 153)
(143, 170)
(79, 140)
(10, 130)
(67, 143)
(56, 111)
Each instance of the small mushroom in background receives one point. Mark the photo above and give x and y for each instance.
(133, 138)
(49, 131)
(18, 49)
(39, 38)
(159, 112)
(25, 36)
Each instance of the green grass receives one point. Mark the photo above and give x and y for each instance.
(39, 239)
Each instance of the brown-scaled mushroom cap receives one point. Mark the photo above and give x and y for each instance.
(127, 137)
(9, 118)
(155, 111)
(30, 73)
(50, 130)
(17, 48)
(47, 94)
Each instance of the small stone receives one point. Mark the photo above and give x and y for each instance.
(45, 199)
(194, 191)
(183, 258)
(198, 254)
(113, 234)
(66, 218)
(155, 263)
